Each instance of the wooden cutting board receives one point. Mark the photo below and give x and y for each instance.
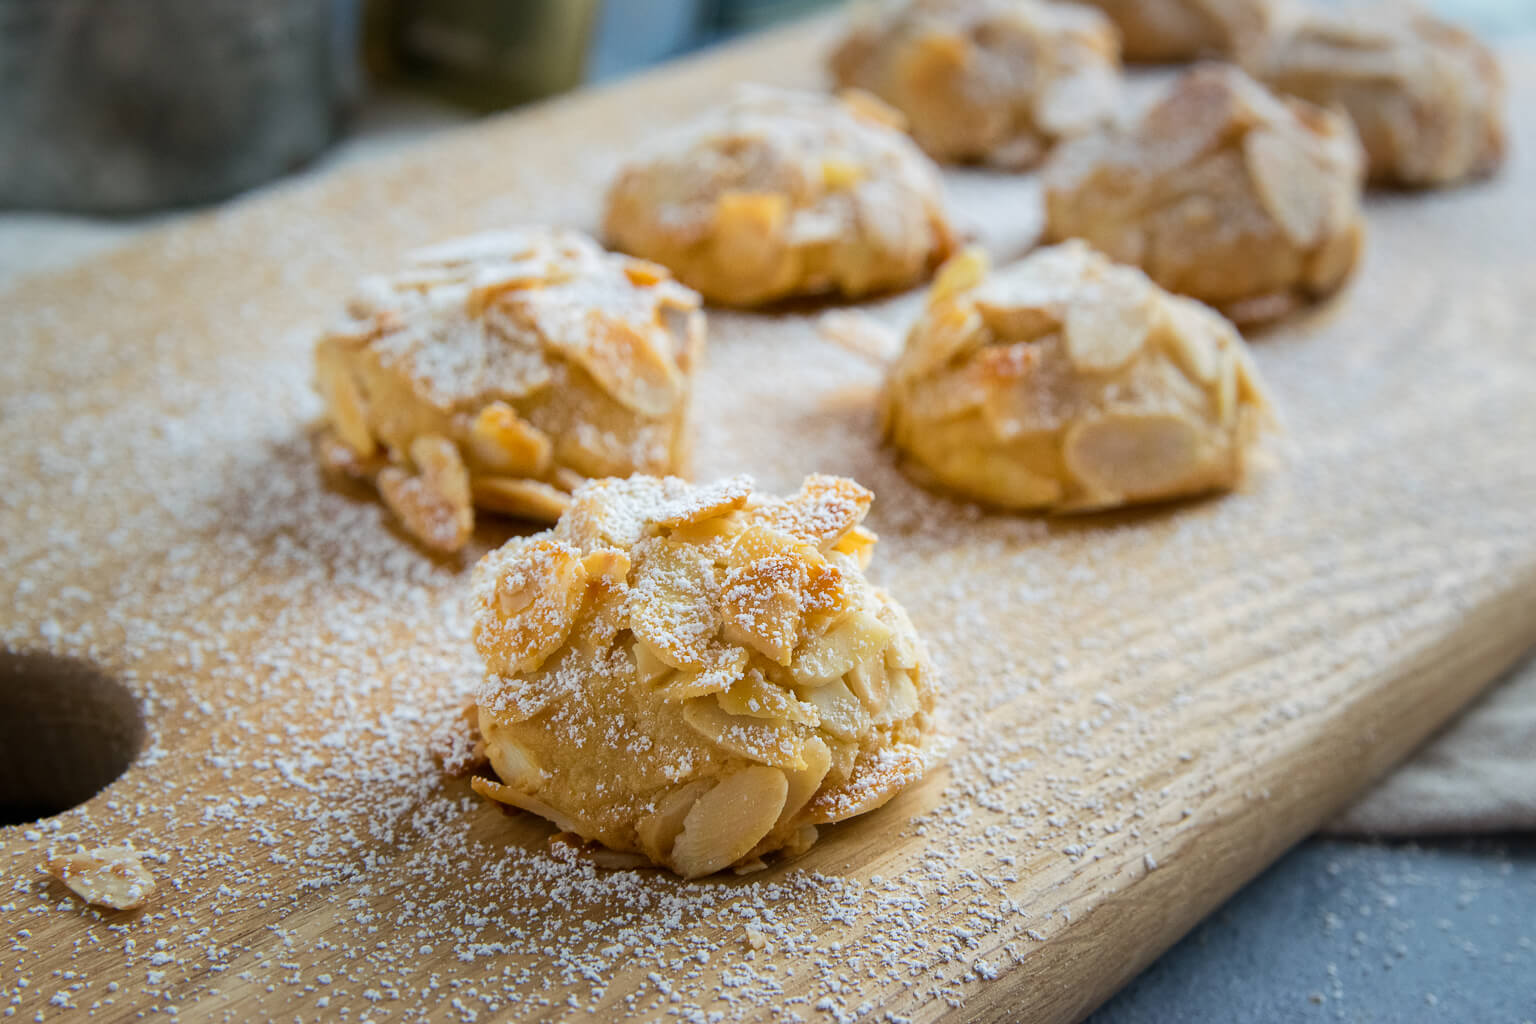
(1149, 707)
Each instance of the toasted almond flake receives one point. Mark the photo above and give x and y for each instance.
(513, 762)
(1135, 454)
(842, 714)
(703, 503)
(724, 667)
(727, 822)
(536, 589)
(753, 696)
(1104, 331)
(629, 363)
(644, 273)
(435, 504)
(769, 742)
(823, 511)
(827, 656)
(343, 399)
(960, 273)
(804, 782)
(505, 444)
(524, 499)
(1293, 187)
(108, 876)
(761, 605)
(658, 830)
(859, 544)
(675, 607)
(504, 794)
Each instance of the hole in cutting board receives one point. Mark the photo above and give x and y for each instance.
(67, 730)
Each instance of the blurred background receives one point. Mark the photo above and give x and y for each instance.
(128, 106)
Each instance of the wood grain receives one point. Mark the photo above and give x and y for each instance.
(1149, 707)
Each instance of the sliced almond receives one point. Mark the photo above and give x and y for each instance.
(868, 681)
(649, 669)
(859, 544)
(842, 714)
(1191, 331)
(942, 336)
(343, 399)
(524, 499)
(434, 504)
(824, 657)
(644, 273)
(709, 501)
(1136, 455)
(823, 511)
(1107, 324)
(902, 703)
(504, 794)
(727, 822)
(338, 458)
(658, 830)
(675, 601)
(629, 363)
(839, 174)
(757, 739)
(1293, 187)
(960, 273)
(725, 668)
(760, 605)
(505, 444)
(753, 696)
(532, 602)
(514, 763)
(902, 650)
(804, 782)
(108, 876)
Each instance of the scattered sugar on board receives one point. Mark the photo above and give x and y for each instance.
(295, 656)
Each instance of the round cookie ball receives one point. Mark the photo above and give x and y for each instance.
(1065, 382)
(1222, 192)
(1182, 30)
(992, 81)
(699, 675)
(500, 371)
(780, 193)
(1426, 97)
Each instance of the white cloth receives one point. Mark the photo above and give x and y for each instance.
(1478, 774)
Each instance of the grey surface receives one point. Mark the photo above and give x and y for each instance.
(1359, 932)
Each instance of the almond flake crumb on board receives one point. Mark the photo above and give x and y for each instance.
(296, 654)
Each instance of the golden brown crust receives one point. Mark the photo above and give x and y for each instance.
(698, 674)
(780, 193)
(1222, 192)
(991, 81)
(1065, 382)
(499, 371)
(1426, 97)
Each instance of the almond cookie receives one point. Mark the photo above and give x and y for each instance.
(1066, 382)
(1182, 30)
(1426, 97)
(698, 675)
(1221, 191)
(500, 371)
(993, 81)
(781, 193)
